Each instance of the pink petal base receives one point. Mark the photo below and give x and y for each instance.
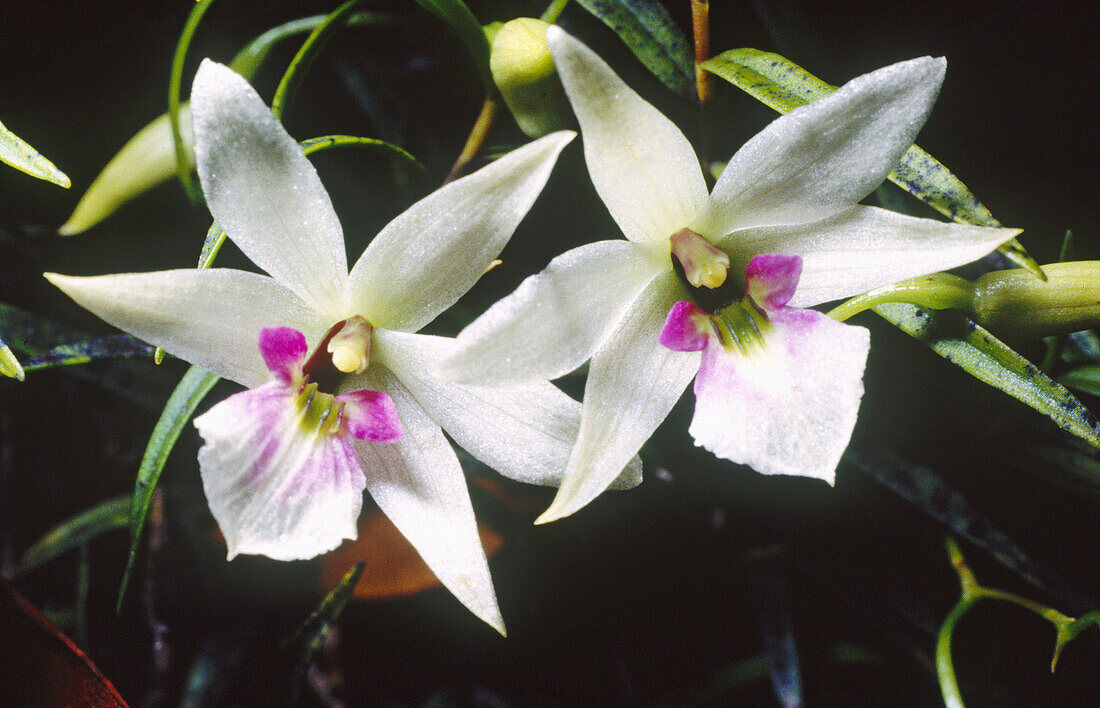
(370, 416)
(687, 328)
(772, 278)
(283, 349)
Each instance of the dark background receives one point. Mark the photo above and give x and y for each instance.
(674, 593)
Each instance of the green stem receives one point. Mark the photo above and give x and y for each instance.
(938, 291)
(553, 11)
(700, 24)
(1066, 627)
(945, 671)
(704, 80)
(183, 160)
(305, 57)
(249, 59)
(477, 137)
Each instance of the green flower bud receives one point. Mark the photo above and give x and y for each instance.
(9, 365)
(491, 30)
(1016, 304)
(523, 70)
(147, 160)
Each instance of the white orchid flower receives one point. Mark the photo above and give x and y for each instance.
(779, 387)
(285, 463)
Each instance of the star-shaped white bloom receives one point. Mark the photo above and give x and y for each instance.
(785, 398)
(284, 464)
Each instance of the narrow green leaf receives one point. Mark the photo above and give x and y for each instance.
(9, 365)
(782, 85)
(215, 237)
(194, 386)
(116, 346)
(71, 533)
(1074, 470)
(771, 588)
(311, 635)
(649, 32)
(1065, 253)
(175, 80)
(29, 335)
(735, 676)
(962, 342)
(462, 22)
(774, 80)
(1085, 379)
(330, 608)
(327, 142)
(1086, 344)
(149, 158)
(309, 51)
(247, 61)
(925, 490)
(19, 154)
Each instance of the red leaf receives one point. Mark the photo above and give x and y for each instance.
(40, 666)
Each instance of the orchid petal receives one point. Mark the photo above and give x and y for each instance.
(276, 488)
(642, 166)
(687, 328)
(771, 279)
(825, 156)
(370, 416)
(633, 382)
(865, 247)
(418, 483)
(789, 407)
(284, 351)
(263, 191)
(211, 318)
(429, 256)
(554, 320)
(525, 431)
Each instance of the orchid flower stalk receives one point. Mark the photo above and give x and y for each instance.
(341, 390)
(777, 386)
